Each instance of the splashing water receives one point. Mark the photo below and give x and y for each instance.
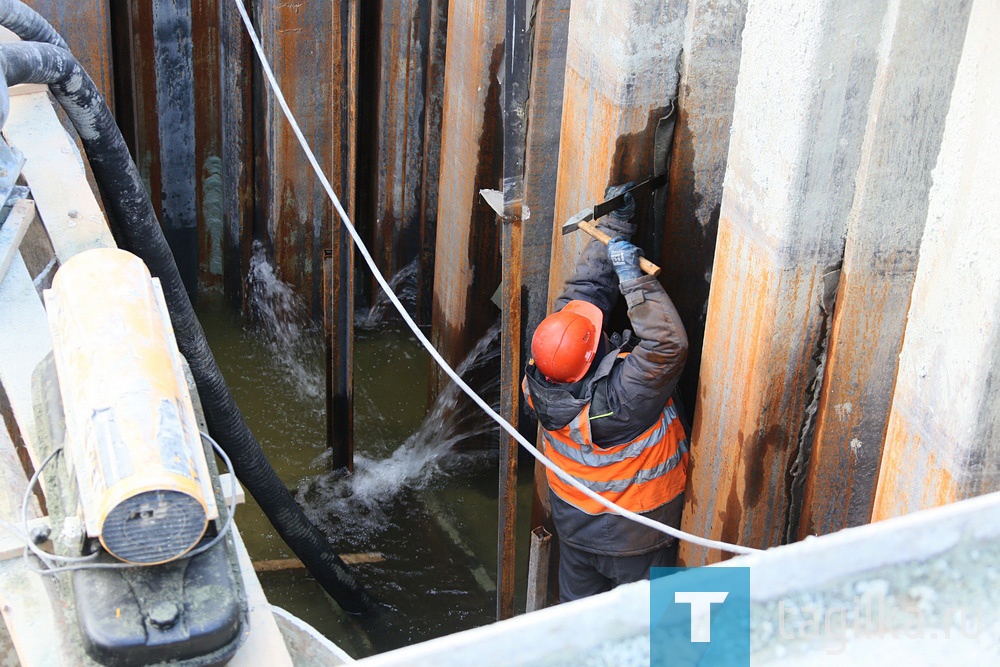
(404, 285)
(282, 320)
(362, 498)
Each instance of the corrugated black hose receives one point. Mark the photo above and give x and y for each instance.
(135, 226)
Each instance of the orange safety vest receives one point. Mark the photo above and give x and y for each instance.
(639, 475)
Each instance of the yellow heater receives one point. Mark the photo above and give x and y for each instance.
(131, 436)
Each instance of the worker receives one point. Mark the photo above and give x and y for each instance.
(607, 415)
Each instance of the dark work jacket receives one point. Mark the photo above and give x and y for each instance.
(635, 389)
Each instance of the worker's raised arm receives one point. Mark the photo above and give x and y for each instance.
(594, 278)
(640, 386)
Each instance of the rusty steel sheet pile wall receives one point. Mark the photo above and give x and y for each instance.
(403, 63)
(944, 425)
(801, 103)
(467, 256)
(920, 51)
(236, 148)
(171, 119)
(308, 45)
(709, 67)
(621, 75)
(433, 106)
(86, 27)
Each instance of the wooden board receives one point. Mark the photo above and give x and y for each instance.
(54, 171)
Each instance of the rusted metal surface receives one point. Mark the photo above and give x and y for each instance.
(170, 121)
(86, 27)
(943, 439)
(880, 263)
(405, 31)
(173, 59)
(467, 256)
(137, 108)
(544, 117)
(545, 102)
(697, 167)
(779, 247)
(236, 149)
(621, 74)
(208, 122)
(339, 339)
(517, 69)
(308, 45)
(433, 102)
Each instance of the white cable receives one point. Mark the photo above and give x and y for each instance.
(656, 525)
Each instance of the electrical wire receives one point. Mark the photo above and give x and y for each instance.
(86, 562)
(504, 424)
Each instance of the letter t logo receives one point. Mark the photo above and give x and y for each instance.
(701, 611)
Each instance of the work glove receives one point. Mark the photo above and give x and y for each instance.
(619, 221)
(625, 258)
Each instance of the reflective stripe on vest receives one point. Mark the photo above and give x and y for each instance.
(639, 475)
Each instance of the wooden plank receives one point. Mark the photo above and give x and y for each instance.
(24, 328)
(264, 644)
(26, 602)
(54, 172)
(12, 232)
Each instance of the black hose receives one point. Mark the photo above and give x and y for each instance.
(28, 24)
(134, 224)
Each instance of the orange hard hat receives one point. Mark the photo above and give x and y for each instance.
(565, 342)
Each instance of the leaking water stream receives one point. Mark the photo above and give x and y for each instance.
(423, 493)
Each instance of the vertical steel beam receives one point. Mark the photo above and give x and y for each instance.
(173, 57)
(621, 75)
(517, 69)
(544, 119)
(307, 45)
(208, 138)
(916, 74)
(405, 32)
(793, 154)
(339, 280)
(706, 94)
(433, 102)
(160, 115)
(943, 438)
(139, 102)
(236, 146)
(467, 257)
(86, 27)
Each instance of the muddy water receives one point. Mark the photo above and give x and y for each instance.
(423, 494)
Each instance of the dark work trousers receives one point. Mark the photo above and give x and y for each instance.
(582, 574)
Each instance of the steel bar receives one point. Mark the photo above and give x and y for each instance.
(544, 118)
